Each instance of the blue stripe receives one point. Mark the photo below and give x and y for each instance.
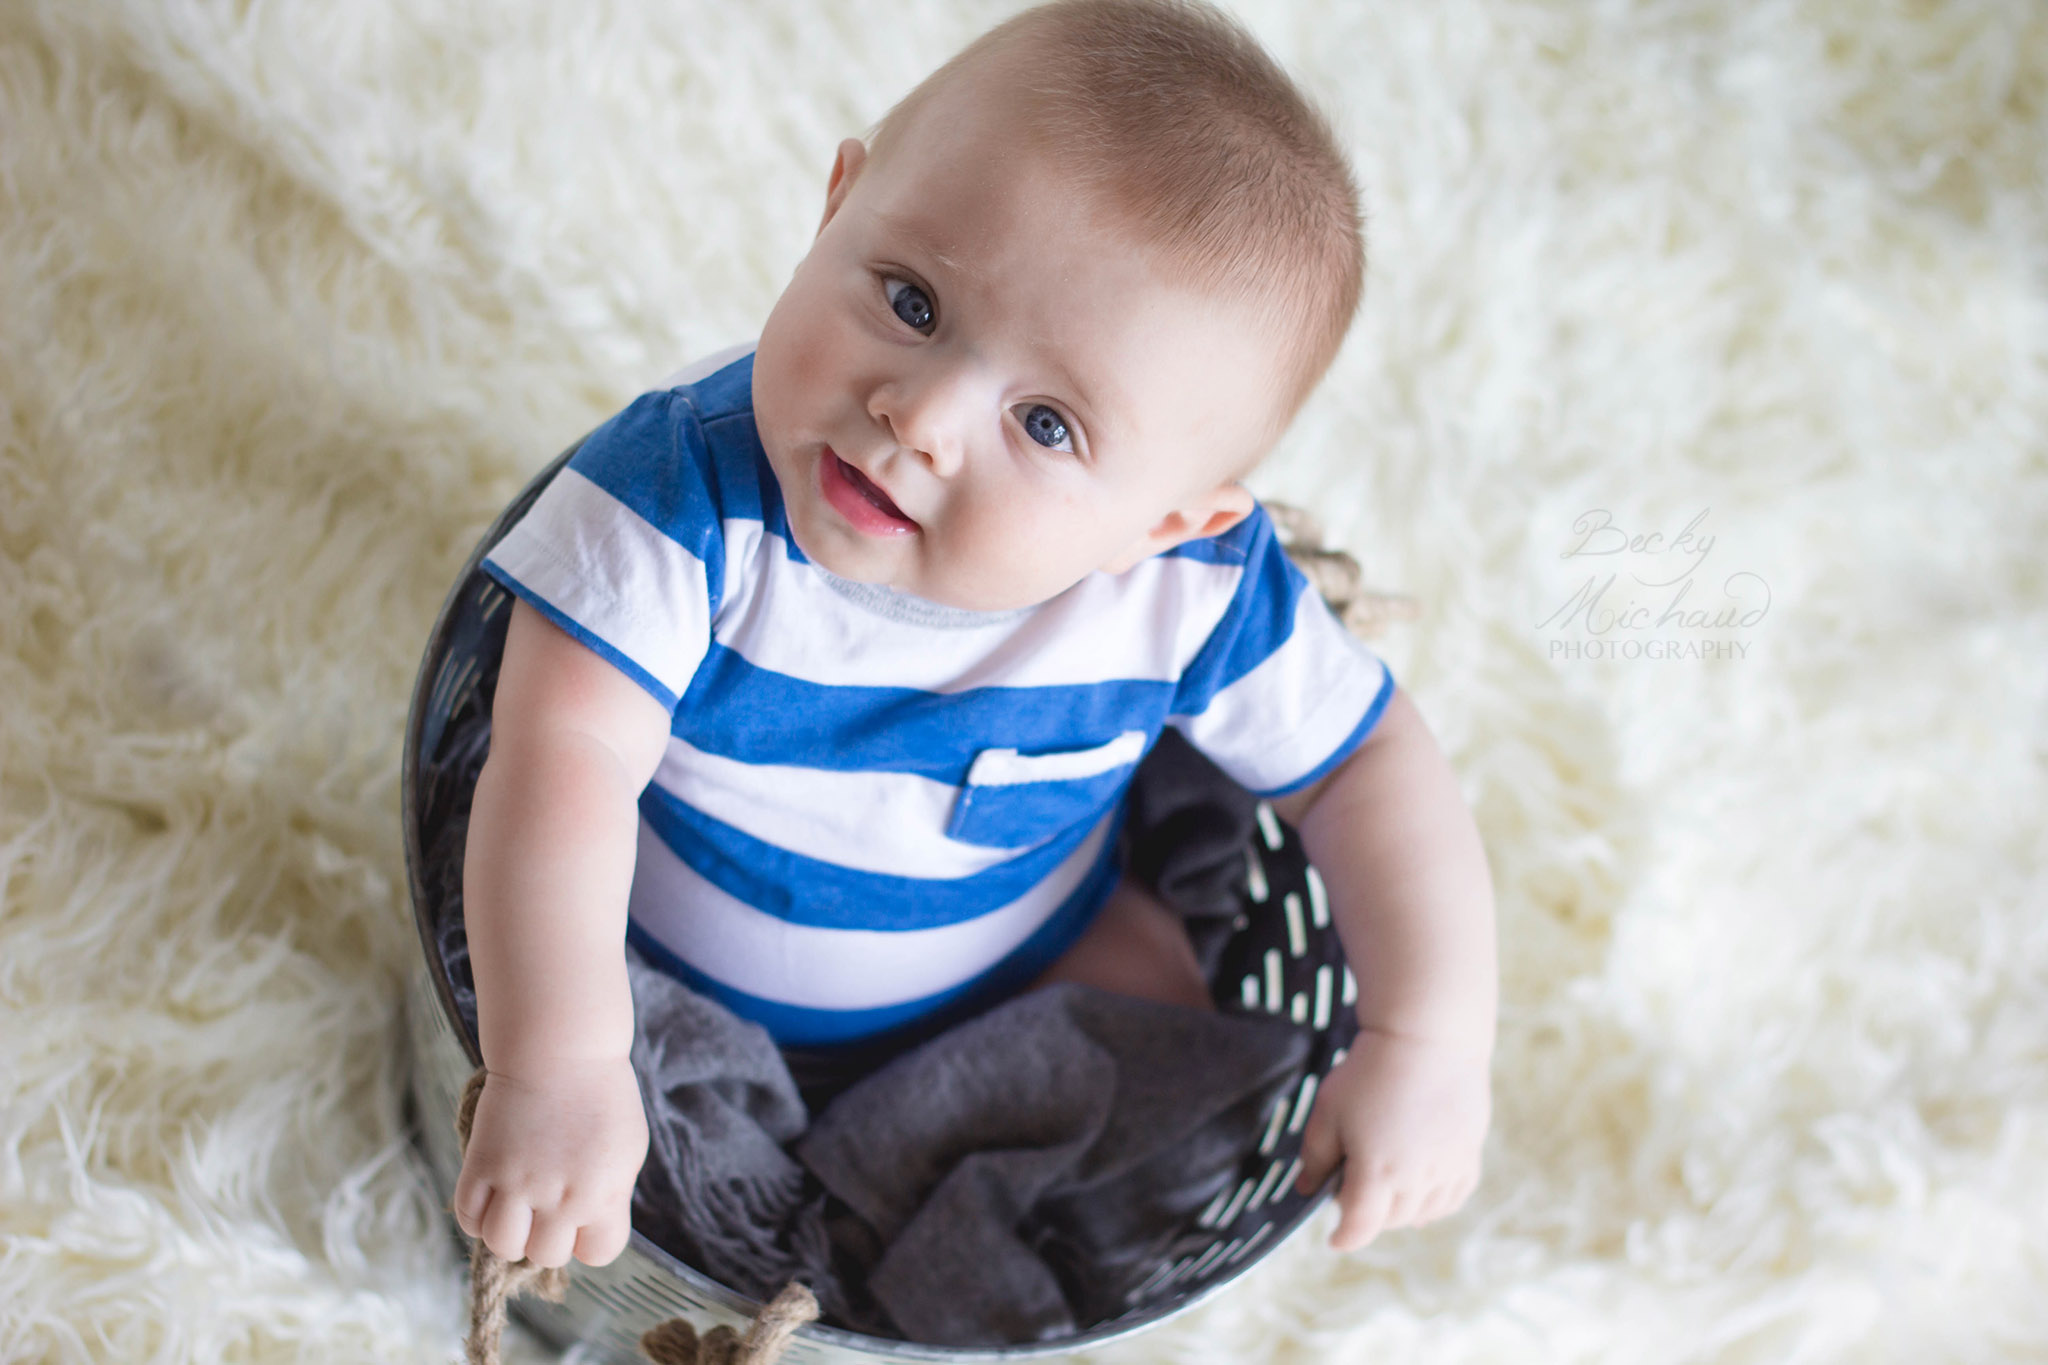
(651, 456)
(726, 391)
(826, 895)
(1258, 621)
(741, 479)
(1350, 743)
(746, 482)
(737, 710)
(583, 637)
(755, 492)
(799, 1026)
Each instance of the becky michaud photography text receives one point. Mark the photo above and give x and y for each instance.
(1644, 595)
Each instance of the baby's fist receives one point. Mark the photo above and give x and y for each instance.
(1407, 1118)
(549, 1170)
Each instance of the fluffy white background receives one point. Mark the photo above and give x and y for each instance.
(294, 295)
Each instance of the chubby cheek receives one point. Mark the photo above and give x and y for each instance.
(1017, 546)
(799, 345)
(809, 347)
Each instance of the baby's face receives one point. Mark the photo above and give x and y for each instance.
(973, 392)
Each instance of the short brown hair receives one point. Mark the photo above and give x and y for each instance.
(1179, 123)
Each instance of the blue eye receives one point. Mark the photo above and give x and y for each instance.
(909, 303)
(1044, 425)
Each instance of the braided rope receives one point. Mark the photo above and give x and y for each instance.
(675, 1342)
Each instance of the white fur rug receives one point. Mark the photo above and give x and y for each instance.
(294, 295)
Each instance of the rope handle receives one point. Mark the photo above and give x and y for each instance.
(1337, 576)
(492, 1281)
(676, 1342)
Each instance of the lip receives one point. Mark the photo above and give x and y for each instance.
(855, 504)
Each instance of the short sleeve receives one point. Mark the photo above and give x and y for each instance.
(1281, 692)
(624, 548)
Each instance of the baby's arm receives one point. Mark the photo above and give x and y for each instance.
(559, 1134)
(1412, 900)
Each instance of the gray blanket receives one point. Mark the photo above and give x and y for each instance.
(1007, 1181)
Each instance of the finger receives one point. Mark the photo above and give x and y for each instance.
(1402, 1208)
(1320, 1150)
(552, 1239)
(472, 1196)
(1433, 1206)
(505, 1225)
(1365, 1213)
(600, 1243)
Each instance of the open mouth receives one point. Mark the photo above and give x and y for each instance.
(859, 499)
(870, 490)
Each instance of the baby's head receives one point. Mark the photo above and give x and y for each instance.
(1076, 285)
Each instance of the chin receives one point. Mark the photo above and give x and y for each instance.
(840, 560)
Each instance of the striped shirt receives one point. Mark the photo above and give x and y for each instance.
(875, 808)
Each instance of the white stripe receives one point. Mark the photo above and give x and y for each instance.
(1281, 720)
(843, 969)
(744, 539)
(612, 572)
(1297, 937)
(1304, 1102)
(782, 616)
(1008, 768)
(884, 822)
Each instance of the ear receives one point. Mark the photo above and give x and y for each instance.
(846, 164)
(1210, 514)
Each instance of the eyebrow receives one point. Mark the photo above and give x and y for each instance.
(929, 245)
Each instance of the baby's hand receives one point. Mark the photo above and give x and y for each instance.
(1408, 1118)
(551, 1162)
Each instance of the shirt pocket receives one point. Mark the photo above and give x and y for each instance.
(1013, 800)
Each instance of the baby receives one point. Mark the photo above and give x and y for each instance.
(829, 667)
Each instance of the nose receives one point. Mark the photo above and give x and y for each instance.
(927, 413)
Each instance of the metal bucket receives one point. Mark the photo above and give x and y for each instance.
(1282, 957)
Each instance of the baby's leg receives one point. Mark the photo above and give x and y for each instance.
(1135, 946)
